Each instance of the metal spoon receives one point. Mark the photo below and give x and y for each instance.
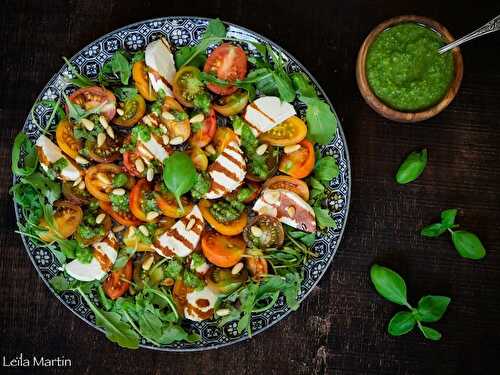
(493, 25)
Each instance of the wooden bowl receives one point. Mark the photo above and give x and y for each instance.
(383, 109)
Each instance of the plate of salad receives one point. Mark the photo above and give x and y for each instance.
(181, 184)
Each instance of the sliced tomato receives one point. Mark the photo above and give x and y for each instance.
(108, 152)
(203, 136)
(223, 136)
(93, 97)
(232, 104)
(66, 140)
(231, 228)
(227, 62)
(272, 159)
(133, 240)
(271, 232)
(299, 164)
(141, 81)
(187, 84)
(289, 132)
(124, 218)
(129, 158)
(168, 205)
(222, 281)
(116, 284)
(176, 128)
(199, 158)
(136, 197)
(223, 251)
(75, 194)
(67, 218)
(99, 180)
(133, 109)
(288, 183)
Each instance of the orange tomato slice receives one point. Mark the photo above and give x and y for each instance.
(124, 218)
(141, 81)
(223, 251)
(66, 140)
(289, 132)
(299, 164)
(231, 228)
(288, 183)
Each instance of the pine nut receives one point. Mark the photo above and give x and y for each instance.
(87, 124)
(291, 148)
(237, 268)
(100, 218)
(147, 120)
(131, 231)
(163, 128)
(110, 132)
(118, 191)
(118, 228)
(101, 138)
(139, 165)
(256, 231)
(103, 178)
(197, 118)
(223, 312)
(165, 139)
(77, 181)
(144, 152)
(144, 230)
(120, 111)
(150, 174)
(103, 122)
(148, 262)
(152, 215)
(291, 211)
(168, 116)
(176, 141)
(81, 185)
(210, 150)
(261, 149)
(81, 160)
(190, 224)
(168, 282)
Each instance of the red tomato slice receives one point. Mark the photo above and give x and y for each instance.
(136, 196)
(124, 218)
(203, 136)
(115, 286)
(129, 159)
(228, 62)
(95, 96)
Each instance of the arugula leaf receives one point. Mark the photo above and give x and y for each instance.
(30, 161)
(247, 300)
(174, 332)
(303, 85)
(179, 183)
(80, 80)
(150, 325)
(323, 218)
(321, 120)
(326, 169)
(51, 190)
(119, 66)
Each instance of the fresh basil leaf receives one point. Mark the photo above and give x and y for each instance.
(321, 120)
(30, 160)
(179, 183)
(326, 169)
(412, 167)
(431, 308)
(401, 323)
(430, 333)
(468, 244)
(448, 217)
(389, 284)
(433, 230)
(303, 85)
(323, 218)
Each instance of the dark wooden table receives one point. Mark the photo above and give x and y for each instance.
(341, 327)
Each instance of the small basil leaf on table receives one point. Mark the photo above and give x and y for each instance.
(412, 167)
(179, 175)
(431, 308)
(468, 244)
(433, 230)
(389, 284)
(321, 120)
(430, 333)
(402, 322)
(448, 217)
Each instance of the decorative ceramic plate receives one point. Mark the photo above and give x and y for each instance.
(181, 31)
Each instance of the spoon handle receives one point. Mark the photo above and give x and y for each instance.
(492, 26)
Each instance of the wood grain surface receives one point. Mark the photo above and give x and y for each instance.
(341, 327)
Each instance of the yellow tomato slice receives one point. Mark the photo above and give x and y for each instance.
(289, 132)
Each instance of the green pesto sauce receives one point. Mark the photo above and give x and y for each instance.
(404, 69)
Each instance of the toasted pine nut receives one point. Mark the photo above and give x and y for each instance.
(77, 181)
(176, 141)
(190, 224)
(81, 160)
(120, 111)
(103, 178)
(100, 218)
(147, 120)
(110, 132)
(210, 150)
(81, 185)
(291, 148)
(87, 124)
(222, 312)
(164, 129)
(103, 122)
(168, 116)
(118, 228)
(256, 231)
(237, 268)
(118, 191)
(148, 262)
(139, 165)
(152, 215)
(144, 152)
(261, 149)
(197, 118)
(144, 230)
(101, 138)
(291, 211)
(131, 230)
(165, 139)
(150, 174)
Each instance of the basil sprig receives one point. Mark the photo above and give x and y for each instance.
(390, 285)
(179, 175)
(467, 244)
(412, 167)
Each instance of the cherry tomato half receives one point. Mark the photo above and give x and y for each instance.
(66, 140)
(115, 286)
(133, 110)
(223, 251)
(187, 85)
(91, 97)
(289, 132)
(232, 104)
(204, 131)
(141, 81)
(136, 197)
(299, 164)
(67, 217)
(288, 183)
(227, 62)
(231, 228)
(124, 218)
